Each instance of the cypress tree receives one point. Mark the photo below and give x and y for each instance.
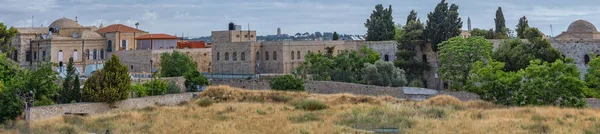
(336, 36)
(380, 26)
(500, 22)
(523, 24)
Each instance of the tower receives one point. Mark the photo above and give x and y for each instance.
(469, 23)
(278, 31)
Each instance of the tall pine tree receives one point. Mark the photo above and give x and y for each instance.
(412, 16)
(110, 84)
(442, 24)
(523, 24)
(70, 89)
(380, 26)
(336, 36)
(411, 39)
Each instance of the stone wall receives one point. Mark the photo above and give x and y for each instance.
(593, 103)
(327, 87)
(45, 112)
(138, 61)
(260, 84)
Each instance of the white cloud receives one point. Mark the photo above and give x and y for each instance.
(25, 6)
(150, 17)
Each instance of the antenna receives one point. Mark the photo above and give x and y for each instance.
(31, 20)
(551, 31)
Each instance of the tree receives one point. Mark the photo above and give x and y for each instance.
(521, 27)
(411, 39)
(554, 83)
(10, 104)
(70, 91)
(110, 84)
(442, 24)
(592, 78)
(412, 16)
(517, 54)
(532, 33)
(287, 82)
(156, 87)
(336, 36)
(42, 82)
(457, 57)
(540, 83)
(500, 24)
(176, 64)
(329, 51)
(481, 32)
(344, 67)
(383, 74)
(380, 26)
(6, 35)
(194, 78)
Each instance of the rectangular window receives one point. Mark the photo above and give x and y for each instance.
(28, 56)
(44, 55)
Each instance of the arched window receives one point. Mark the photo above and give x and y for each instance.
(234, 56)
(226, 56)
(124, 44)
(292, 55)
(109, 46)
(257, 56)
(243, 56)
(218, 56)
(102, 54)
(60, 55)
(89, 54)
(95, 54)
(424, 58)
(266, 55)
(586, 59)
(386, 57)
(274, 55)
(298, 57)
(75, 55)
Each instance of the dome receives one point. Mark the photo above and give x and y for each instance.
(580, 26)
(90, 35)
(65, 23)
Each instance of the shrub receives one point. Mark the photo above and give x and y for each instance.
(156, 87)
(110, 84)
(416, 83)
(306, 117)
(287, 82)
(383, 74)
(194, 78)
(139, 90)
(311, 105)
(204, 102)
(172, 88)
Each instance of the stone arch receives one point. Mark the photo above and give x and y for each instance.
(218, 56)
(257, 55)
(109, 46)
(292, 55)
(298, 57)
(226, 56)
(586, 59)
(274, 55)
(234, 56)
(266, 55)
(386, 57)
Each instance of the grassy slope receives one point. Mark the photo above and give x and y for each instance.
(241, 111)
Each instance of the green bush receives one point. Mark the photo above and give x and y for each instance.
(139, 90)
(311, 105)
(156, 87)
(416, 83)
(172, 88)
(194, 78)
(176, 64)
(287, 82)
(204, 102)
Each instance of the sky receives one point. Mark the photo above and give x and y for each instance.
(199, 17)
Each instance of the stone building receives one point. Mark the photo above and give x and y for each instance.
(66, 38)
(579, 42)
(144, 61)
(120, 37)
(232, 56)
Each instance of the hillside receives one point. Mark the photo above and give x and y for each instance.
(243, 111)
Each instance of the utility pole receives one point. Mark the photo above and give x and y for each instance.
(83, 53)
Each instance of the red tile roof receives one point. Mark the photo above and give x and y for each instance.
(156, 36)
(119, 28)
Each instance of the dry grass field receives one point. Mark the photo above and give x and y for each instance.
(225, 110)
